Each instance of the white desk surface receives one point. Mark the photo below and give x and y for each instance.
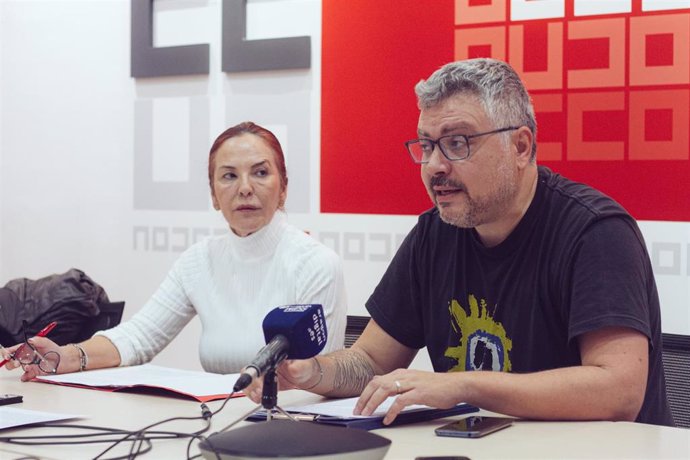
(524, 440)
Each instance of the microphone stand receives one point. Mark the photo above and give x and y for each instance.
(269, 397)
(269, 401)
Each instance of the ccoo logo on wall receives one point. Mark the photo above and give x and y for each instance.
(288, 110)
(238, 55)
(610, 82)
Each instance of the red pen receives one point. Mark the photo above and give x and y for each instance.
(42, 333)
(46, 330)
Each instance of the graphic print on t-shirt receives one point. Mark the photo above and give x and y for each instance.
(484, 344)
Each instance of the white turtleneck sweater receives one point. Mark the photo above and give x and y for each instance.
(232, 283)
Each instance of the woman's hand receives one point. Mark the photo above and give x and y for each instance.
(45, 347)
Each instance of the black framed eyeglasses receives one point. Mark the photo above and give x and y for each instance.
(28, 355)
(454, 146)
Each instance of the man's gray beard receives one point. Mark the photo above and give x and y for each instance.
(485, 210)
(468, 219)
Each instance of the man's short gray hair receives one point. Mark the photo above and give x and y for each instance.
(495, 84)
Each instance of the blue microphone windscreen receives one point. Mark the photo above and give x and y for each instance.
(304, 326)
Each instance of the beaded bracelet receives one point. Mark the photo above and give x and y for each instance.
(318, 364)
(83, 357)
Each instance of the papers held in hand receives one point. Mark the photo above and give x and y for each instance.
(339, 412)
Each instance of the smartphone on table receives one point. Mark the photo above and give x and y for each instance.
(474, 426)
(443, 457)
(10, 399)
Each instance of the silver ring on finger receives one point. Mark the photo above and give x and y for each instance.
(398, 387)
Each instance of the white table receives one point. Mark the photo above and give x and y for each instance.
(526, 439)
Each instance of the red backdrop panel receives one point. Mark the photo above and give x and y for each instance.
(611, 93)
(373, 54)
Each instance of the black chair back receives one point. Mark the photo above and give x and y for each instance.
(676, 357)
(354, 328)
(109, 317)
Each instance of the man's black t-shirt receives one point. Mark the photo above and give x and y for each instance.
(576, 262)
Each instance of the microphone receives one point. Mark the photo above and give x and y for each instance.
(291, 332)
(295, 332)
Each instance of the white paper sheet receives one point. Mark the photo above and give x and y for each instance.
(343, 408)
(193, 383)
(12, 416)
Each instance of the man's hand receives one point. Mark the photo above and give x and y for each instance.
(412, 387)
(294, 373)
(608, 385)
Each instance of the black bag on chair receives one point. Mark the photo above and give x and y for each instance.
(73, 299)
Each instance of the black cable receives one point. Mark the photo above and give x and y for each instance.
(139, 433)
(189, 447)
(44, 439)
(140, 439)
(140, 451)
(56, 439)
(206, 414)
(225, 401)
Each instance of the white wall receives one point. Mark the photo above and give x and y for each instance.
(68, 144)
(67, 135)
(2, 182)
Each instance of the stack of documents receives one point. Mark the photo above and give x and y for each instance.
(339, 412)
(201, 386)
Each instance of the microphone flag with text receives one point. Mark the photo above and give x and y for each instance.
(291, 332)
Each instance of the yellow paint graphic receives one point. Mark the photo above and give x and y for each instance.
(479, 334)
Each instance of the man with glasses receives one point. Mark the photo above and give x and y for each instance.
(533, 294)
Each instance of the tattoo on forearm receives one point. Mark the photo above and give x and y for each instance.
(352, 373)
